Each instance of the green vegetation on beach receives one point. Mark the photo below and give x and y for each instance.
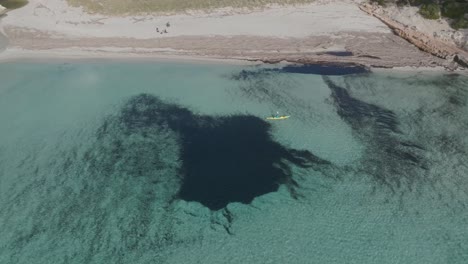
(13, 4)
(430, 11)
(456, 10)
(119, 7)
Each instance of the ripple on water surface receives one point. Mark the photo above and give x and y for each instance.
(160, 163)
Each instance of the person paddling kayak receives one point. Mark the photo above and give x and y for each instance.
(277, 116)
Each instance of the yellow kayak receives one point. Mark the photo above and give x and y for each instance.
(277, 117)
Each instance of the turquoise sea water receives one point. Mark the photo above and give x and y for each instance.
(121, 162)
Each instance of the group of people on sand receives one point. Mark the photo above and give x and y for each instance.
(163, 31)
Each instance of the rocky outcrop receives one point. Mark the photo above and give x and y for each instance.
(3, 10)
(451, 36)
(463, 61)
(430, 44)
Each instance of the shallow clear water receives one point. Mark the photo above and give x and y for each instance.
(113, 162)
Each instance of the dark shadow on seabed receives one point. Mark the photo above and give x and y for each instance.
(318, 69)
(224, 159)
(391, 159)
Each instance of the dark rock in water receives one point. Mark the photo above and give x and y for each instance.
(398, 162)
(224, 159)
(463, 61)
(319, 69)
(325, 69)
(358, 112)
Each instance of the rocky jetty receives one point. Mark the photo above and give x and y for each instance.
(426, 43)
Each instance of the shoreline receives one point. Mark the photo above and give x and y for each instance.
(14, 55)
(369, 49)
(54, 30)
(73, 55)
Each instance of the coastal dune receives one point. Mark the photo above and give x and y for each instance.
(323, 31)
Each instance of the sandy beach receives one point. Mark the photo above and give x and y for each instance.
(324, 31)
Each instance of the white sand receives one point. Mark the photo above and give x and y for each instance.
(51, 28)
(298, 21)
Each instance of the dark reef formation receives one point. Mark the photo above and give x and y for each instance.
(391, 159)
(222, 159)
(310, 68)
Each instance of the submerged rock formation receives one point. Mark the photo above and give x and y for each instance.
(424, 42)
